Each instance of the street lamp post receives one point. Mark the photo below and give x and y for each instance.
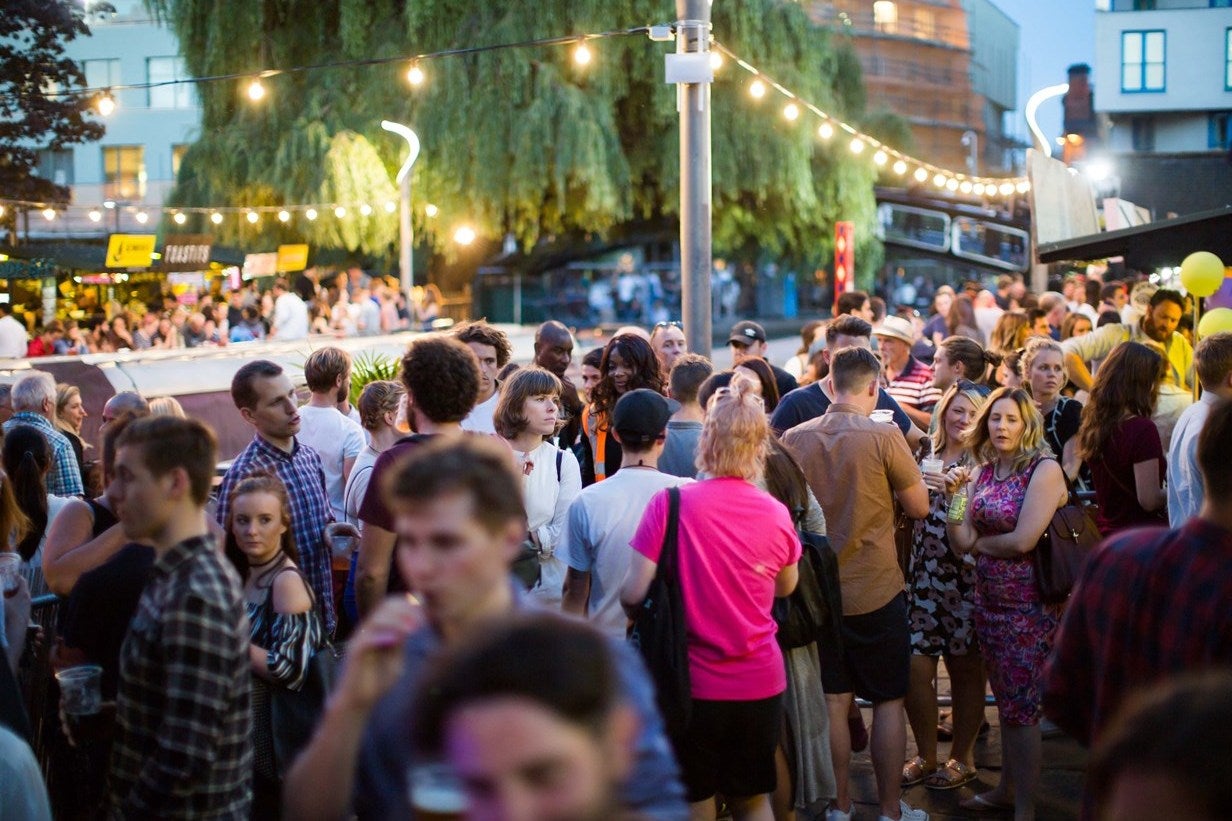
(696, 263)
(971, 141)
(406, 231)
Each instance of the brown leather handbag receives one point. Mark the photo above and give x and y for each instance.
(1063, 549)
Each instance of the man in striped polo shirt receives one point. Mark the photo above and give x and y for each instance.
(906, 378)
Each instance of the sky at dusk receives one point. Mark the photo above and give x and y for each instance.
(1053, 34)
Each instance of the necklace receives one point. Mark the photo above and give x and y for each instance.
(261, 576)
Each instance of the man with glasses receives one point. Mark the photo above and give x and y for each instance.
(747, 340)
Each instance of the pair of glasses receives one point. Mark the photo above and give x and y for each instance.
(968, 385)
(673, 324)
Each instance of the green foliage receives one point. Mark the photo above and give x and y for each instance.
(517, 141)
(370, 366)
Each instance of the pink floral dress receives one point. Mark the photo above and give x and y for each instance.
(1015, 629)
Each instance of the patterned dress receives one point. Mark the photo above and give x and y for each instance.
(291, 640)
(942, 588)
(1015, 629)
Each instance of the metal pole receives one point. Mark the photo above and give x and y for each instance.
(406, 240)
(696, 262)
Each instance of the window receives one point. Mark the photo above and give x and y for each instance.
(885, 14)
(1143, 133)
(124, 172)
(1227, 59)
(56, 165)
(1142, 61)
(101, 73)
(168, 70)
(1217, 131)
(177, 156)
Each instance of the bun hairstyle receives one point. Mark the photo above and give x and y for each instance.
(976, 360)
(735, 435)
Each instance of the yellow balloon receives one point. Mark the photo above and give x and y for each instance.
(1216, 321)
(1202, 273)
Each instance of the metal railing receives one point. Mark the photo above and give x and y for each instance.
(34, 676)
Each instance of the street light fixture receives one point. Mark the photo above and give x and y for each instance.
(406, 236)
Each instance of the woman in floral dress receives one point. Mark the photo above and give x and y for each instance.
(942, 601)
(1015, 491)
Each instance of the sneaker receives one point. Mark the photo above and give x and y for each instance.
(833, 813)
(906, 814)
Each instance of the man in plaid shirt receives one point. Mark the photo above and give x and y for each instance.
(1151, 604)
(265, 397)
(34, 404)
(183, 745)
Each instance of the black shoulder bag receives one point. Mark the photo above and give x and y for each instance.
(659, 631)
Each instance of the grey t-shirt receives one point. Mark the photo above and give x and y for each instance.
(680, 449)
(598, 529)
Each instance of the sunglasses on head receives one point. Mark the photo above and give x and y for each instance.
(659, 325)
(968, 385)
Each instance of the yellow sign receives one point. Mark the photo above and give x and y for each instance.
(292, 258)
(129, 251)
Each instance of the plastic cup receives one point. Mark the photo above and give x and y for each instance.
(80, 690)
(10, 572)
(436, 793)
(886, 417)
(931, 465)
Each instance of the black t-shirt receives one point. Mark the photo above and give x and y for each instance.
(786, 382)
(809, 402)
(102, 603)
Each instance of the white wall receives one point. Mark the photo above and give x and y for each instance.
(1194, 67)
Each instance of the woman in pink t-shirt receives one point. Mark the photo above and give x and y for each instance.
(737, 550)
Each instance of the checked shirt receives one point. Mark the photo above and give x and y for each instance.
(64, 479)
(301, 473)
(183, 746)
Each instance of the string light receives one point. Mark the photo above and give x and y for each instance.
(284, 215)
(109, 204)
(791, 112)
(1006, 189)
(180, 218)
(252, 217)
(978, 188)
(431, 210)
(465, 235)
(965, 187)
(142, 217)
(939, 180)
(921, 174)
(857, 145)
(880, 157)
(757, 89)
(582, 55)
(825, 131)
(390, 206)
(256, 91)
(951, 184)
(415, 75)
(106, 104)
(1023, 187)
(95, 215)
(49, 214)
(365, 210)
(310, 214)
(216, 218)
(340, 211)
(900, 167)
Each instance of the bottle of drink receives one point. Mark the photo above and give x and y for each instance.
(958, 505)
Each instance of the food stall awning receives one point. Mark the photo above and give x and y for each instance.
(62, 255)
(1146, 247)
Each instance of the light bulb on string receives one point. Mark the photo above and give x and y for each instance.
(757, 89)
(857, 145)
(791, 112)
(252, 217)
(978, 189)
(880, 158)
(921, 174)
(340, 211)
(900, 167)
(284, 215)
(465, 235)
(310, 214)
(255, 90)
(415, 75)
(1006, 189)
(142, 217)
(716, 61)
(1023, 187)
(431, 210)
(390, 206)
(965, 187)
(106, 104)
(582, 55)
(180, 218)
(216, 218)
(825, 131)
(95, 215)
(49, 214)
(365, 210)
(939, 180)
(951, 184)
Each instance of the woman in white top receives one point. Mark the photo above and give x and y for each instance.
(27, 459)
(379, 404)
(528, 416)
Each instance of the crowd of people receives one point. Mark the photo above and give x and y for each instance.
(348, 304)
(476, 538)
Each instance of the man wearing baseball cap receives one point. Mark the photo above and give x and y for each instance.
(748, 341)
(603, 518)
(907, 379)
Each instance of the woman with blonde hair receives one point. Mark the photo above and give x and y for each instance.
(166, 406)
(1010, 333)
(729, 569)
(70, 413)
(941, 589)
(1043, 374)
(528, 416)
(1017, 487)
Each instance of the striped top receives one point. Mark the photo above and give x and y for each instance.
(913, 387)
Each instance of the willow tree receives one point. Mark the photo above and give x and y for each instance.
(515, 141)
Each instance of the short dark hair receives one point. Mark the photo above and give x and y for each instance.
(323, 368)
(1167, 295)
(1214, 445)
(1213, 360)
(475, 465)
(853, 368)
(169, 442)
(847, 325)
(243, 394)
(716, 380)
(593, 358)
(442, 376)
(1111, 289)
(849, 301)
(481, 333)
(522, 385)
(688, 373)
(563, 665)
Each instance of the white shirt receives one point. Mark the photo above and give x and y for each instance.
(1185, 489)
(598, 529)
(547, 500)
(335, 438)
(290, 317)
(482, 418)
(357, 485)
(13, 338)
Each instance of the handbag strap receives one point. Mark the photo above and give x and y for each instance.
(671, 542)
